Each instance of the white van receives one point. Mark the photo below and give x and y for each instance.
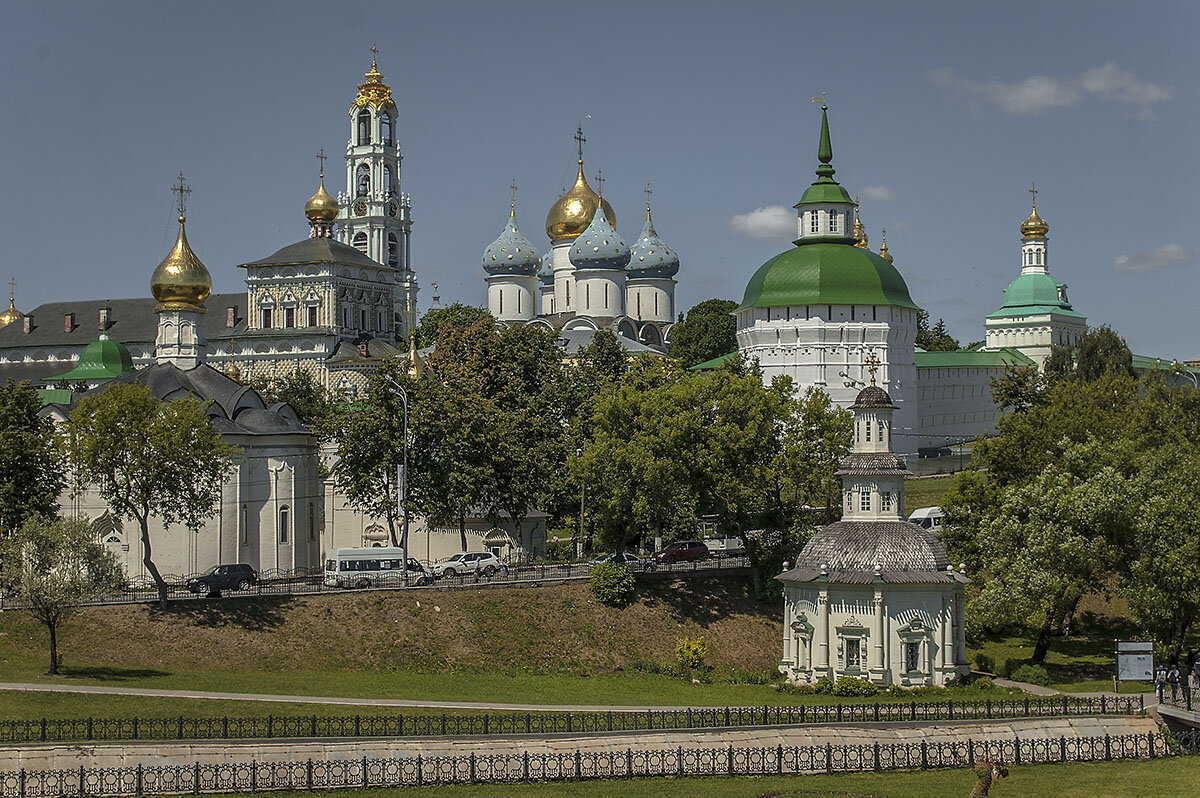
(927, 518)
(383, 566)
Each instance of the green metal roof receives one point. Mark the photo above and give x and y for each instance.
(972, 357)
(824, 192)
(715, 363)
(1144, 363)
(826, 274)
(104, 359)
(1032, 294)
(54, 396)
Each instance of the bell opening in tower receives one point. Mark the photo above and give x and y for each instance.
(364, 127)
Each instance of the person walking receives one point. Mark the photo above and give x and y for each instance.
(1173, 680)
(476, 569)
(1160, 683)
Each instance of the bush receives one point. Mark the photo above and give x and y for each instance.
(824, 685)
(561, 550)
(690, 653)
(853, 686)
(983, 683)
(612, 582)
(1010, 667)
(739, 676)
(1032, 674)
(985, 663)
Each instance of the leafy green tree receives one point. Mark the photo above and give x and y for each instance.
(1100, 350)
(1018, 389)
(429, 329)
(935, 339)
(148, 458)
(31, 467)
(604, 360)
(1060, 363)
(370, 444)
(55, 566)
(708, 331)
(305, 394)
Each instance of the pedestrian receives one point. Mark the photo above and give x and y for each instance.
(476, 569)
(1160, 683)
(504, 566)
(1173, 680)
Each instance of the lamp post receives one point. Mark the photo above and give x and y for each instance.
(402, 468)
(582, 493)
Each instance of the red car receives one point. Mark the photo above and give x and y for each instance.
(683, 551)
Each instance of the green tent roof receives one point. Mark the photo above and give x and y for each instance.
(972, 358)
(715, 363)
(1032, 294)
(824, 192)
(104, 359)
(826, 274)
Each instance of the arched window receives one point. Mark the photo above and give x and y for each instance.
(386, 123)
(362, 180)
(833, 222)
(283, 524)
(245, 526)
(360, 242)
(389, 184)
(812, 221)
(364, 127)
(393, 249)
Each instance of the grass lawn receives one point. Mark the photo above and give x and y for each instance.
(926, 491)
(1154, 779)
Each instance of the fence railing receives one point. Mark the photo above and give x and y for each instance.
(1183, 697)
(366, 772)
(462, 724)
(309, 581)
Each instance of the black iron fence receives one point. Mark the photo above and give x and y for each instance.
(1183, 697)
(462, 724)
(309, 581)
(365, 772)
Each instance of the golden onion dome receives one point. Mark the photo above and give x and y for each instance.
(860, 234)
(1035, 226)
(883, 248)
(571, 214)
(320, 206)
(181, 282)
(373, 92)
(12, 314)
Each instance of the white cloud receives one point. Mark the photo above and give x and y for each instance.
(1168, 256)
(1039, 93)
(878, 193)
(772, 223)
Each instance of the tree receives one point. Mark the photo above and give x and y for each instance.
(148, 458)
(708, 331)
(1100, 350)
(31, 468)
(304, 394)
(937, 339)
(1018, 389)
(370, 447)
(429, 329)
(603, 360)
(54, 567)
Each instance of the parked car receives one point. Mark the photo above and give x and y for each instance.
(463, 564)
(224, 577)
(634, 562)
(365, 567)
(683, 551)
(726, 547)
(927, 518)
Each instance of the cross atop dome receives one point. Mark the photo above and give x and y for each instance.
(181, 191)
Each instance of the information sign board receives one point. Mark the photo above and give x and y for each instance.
(1135, 662)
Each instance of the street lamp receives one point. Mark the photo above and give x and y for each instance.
(402, 469)
(582, 492)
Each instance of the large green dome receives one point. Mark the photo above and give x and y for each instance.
(1034, 294)
(826, 274)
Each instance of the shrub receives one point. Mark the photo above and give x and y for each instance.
(824, 685)
(612, 582)
(739, 676)
(1010, 667)
(983, 683)
(560, 550)
(853, 686)
(690, 652)
(985, 663)
(1032, 674)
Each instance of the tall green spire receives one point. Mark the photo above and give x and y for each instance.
(825, 149)
(824, 188)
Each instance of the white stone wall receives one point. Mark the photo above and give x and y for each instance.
(823, 622)
(1034, 335)
(600, 292)
(564, 276)
(513, 297)
(827, 345)
(650, 299)
(955, 403)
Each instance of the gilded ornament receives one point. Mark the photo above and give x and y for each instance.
(181, 281)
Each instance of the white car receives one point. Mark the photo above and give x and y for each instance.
(464, 564)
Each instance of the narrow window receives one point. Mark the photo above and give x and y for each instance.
(519, 302)
(912, 657)
(345, 317)
(362, 318)
(656, 304)
(364, 127)
(568, 287)
(312, 522)
(587, 296)
(360, 242)
(812, 221)
(833, 222)
(266, 318)
(885, 501)
(853, 654)
(881, 430)
(245, 526)
(312, 315)
(386, 123)
(864, 500)
(289, 317)
(501, 301)
(606, 295)
(638, 303)
(393, 249)
(868, 426)
(283, 525)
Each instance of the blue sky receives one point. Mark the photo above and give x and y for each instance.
(941, 115)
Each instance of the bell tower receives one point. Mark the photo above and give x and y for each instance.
(375, 216)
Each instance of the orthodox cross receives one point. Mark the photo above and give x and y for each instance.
(600, 182)
(820, 100)
(374, 52)
(579, 139)
(513, 188)
(1033, 194)
(180, 190)
(647, 191)
(872, 364)
(321, 157)
(12, 288)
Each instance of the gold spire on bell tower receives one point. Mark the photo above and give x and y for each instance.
(373, 91)
(860, 235)
(321, 209)
(181, 281)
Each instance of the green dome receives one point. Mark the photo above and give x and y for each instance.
(1033, 294)
(826, 274)
(104, 359)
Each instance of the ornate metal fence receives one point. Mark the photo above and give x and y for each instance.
(312, 774)
(461, 724)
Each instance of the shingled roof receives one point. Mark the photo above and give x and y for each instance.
(872, 463)
(850, 551)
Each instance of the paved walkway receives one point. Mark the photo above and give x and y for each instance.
(1148, 698)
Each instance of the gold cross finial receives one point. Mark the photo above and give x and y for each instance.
(821, 100)
(1033, 194)
(181, 191)
(321, 157)
(513, 188)
(600, 182)
(648, 191)
(12, 289)
(872, 363)
(374, 52)
(579, 139)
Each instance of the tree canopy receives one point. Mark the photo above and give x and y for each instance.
(708, 331)
(434, 321)
(936, 338)
(31, 467)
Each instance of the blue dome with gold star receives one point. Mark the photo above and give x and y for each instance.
(650, 257)
(599, 246)
(511, 252)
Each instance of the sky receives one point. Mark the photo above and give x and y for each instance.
(941, 114)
